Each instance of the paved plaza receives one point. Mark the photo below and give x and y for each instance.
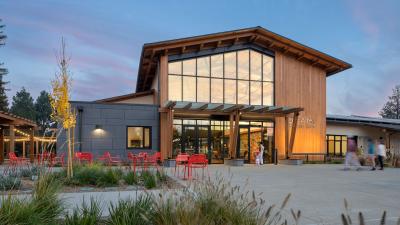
(319, 190)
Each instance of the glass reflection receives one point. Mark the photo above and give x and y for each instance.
(175, 68)
(189, 67)
(255, 93)
(237, 77)
(217, 66)
(255, 65)
(243, 64)
(203, 66)
(230, 65)
(230, 91)
(203, 87)
(268, 68)
(243, 92)
(268, 93)
(189, 90)
(217, 90)
(174, 88)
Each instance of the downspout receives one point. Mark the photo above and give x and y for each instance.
(80, 112)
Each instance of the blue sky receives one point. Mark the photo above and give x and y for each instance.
(104, 40)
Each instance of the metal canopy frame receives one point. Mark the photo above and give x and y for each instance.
(235, 112)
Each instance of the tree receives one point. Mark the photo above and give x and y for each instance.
(43, 110)
(3, 72)
(22, 105)
(391, 109)
(62, 112)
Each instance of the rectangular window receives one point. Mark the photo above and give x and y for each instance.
(138, 137)
(203, 66)
(230, 92)
(217, 91)
(189, 67)
(243, 92)
(255, 93)
(217, 65)
(230, 65)
(243, 65)
(255, 64)
(175, 88)
(189, 89)
(175, 68)
(203, 89)
(268, 68)
(268, 93)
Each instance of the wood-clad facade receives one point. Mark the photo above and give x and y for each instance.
(298, 82)
(302, 85)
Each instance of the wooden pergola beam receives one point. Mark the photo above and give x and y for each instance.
(293, 133)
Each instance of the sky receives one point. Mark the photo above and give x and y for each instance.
(104, 41)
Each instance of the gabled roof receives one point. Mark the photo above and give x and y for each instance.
(256, 35)
(125, 97)
(390, 124)
(7, 119)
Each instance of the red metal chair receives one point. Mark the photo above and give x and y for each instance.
(15, 162)
(197, 161)
(134, 159)
(54, 159)
(84, 157)
(181, 160)
(44, 157)
(151, 160)
(110, 160)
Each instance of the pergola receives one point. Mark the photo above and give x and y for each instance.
(236, 112)
(12, 122)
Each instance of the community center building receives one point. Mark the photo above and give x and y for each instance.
(219, 94)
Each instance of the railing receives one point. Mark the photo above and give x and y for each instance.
(310, 154)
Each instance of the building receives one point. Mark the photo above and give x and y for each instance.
(219, 94)
(342, 129)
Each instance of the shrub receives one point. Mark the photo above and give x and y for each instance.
(130, 178)
(149, 180)
(9, 183)
(86, 214)
(110, 177)
(131, 212)
(161, 176)
(43, 208)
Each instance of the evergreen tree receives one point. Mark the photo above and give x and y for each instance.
(3, 71)
(43, 110)
(391, 109)
(22, 105)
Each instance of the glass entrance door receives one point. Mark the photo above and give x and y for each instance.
(248, 143)
(196, 139)
(189, 139)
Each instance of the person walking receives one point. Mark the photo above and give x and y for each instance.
(261, 154)
(381, 152)
(371, 152)
(351, 158)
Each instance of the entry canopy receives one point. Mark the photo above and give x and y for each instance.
(216, 108)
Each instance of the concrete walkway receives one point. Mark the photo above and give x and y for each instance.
(319, 190)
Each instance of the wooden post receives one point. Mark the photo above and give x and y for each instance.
(31, 145)
(293, 133)
(287, 137)
(231, 152)
(12, 138)
(37, 147)
(1, 145)
(236, 133)
(23, 149)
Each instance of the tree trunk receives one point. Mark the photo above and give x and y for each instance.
(70, 155)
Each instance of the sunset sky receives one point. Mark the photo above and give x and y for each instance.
(104, 41)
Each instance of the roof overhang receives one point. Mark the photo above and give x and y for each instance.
(256, 35)
(7, 119)
(125, 97)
